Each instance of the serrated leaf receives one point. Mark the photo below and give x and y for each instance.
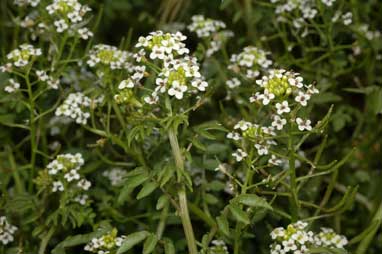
(239, 214)
(147, 189)
(252, 200)
(150, 243)
(132, 240)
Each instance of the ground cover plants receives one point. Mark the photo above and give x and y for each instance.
(207, 127)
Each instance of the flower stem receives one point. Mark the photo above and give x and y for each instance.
(293, 182)
(182, 195)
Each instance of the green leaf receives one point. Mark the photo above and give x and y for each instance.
(223, 224)
(252, 200)
(211, 199)
(162, 201)
(239, 214)
(81, 239)
(168, 172)
(132, 240)
(169, 247)
(150, 243)
(322, 250)
(147, 189)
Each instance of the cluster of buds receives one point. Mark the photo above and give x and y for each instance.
(297, 239)
(6, 231)
(105, 244)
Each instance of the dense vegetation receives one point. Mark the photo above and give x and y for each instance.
(179, 126)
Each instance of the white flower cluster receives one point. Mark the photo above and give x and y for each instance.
(179, 73)
(276, 88)
(281, 84)
(219, 247)
(52, 83)
(23, 3)
(296, 239)
(115, 176)
(369, 34)
(6, 231)
(76, 107)
(21, 56)
(12, 87)
(68, 15)
(105, 244)
(64, 171)
(205, 27)
(304, 9)
(111, 57)
(211, 29)
(250, 62)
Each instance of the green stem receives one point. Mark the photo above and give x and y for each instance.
(32, 128)
(183, 207)
(45, 241)
(293, 182)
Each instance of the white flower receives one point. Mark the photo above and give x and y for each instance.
(278, 122)
(200, 84)
(81, 199)
(57, 186)
(347, 18)
(233, 83)
(85, 33)
(13, 87)
(177, 90)
(61, 25)
(157, 53)
(275, 161)
(239, 155)
(126, 84)
(84, 184)
(328, 2)
(302, 98)
(303, 124)
(261, 149)
(6, 231)
(242, 125)
(234, 135)
(282, 107)
(267, 97)
(72, 175)
(115, 176)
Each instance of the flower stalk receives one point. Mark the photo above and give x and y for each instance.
(182, 195)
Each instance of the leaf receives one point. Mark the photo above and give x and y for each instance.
(252, 200)
(81, 239)
(322, 250)
(147, 189)
(166, 175)
(132, 240)
(211, 199)
(223, 224)
(162, 201)
(239, 214)
(150, 243)
(169, 247)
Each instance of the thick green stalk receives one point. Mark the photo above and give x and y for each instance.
(183, 207)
